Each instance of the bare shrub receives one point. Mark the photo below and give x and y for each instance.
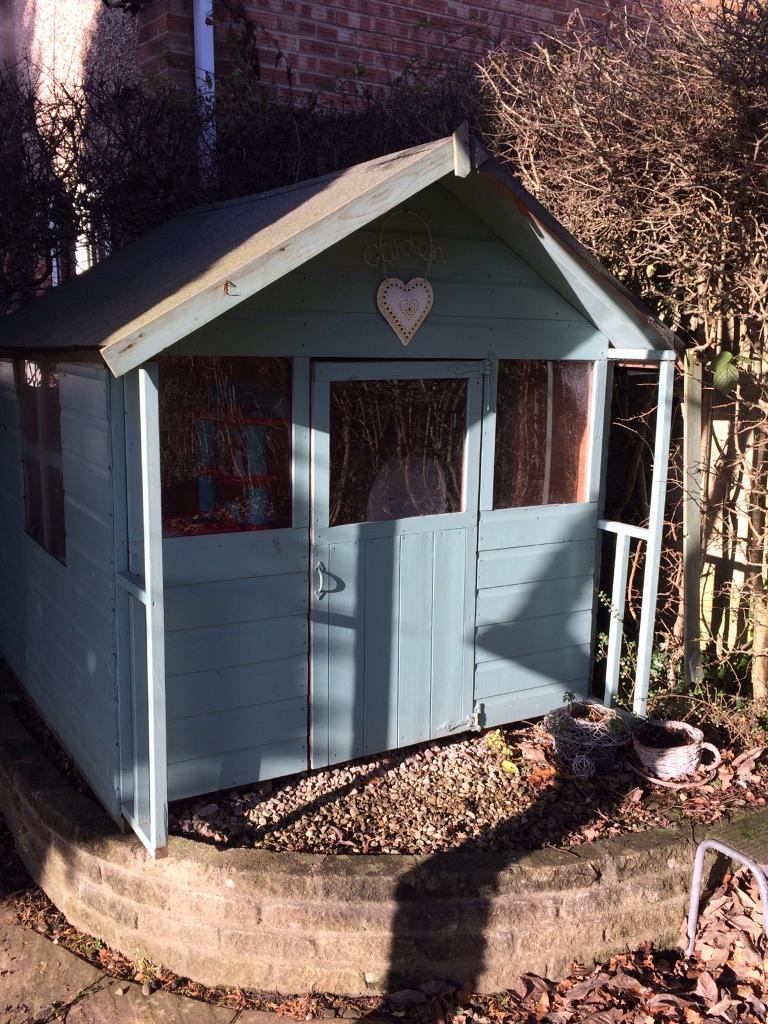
(646, 134)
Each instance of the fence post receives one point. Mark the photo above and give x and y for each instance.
(692, 480)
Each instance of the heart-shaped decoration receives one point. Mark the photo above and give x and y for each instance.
(405, 307)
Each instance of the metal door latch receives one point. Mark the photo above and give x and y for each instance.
(471, 722)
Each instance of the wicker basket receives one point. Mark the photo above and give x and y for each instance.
(587, 737)
(674, 762)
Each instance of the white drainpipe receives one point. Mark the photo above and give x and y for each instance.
(202, 26)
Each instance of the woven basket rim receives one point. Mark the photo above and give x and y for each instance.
(609, 730)
(696, 735)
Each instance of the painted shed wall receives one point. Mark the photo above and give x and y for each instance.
(57, 621)
(237, 668)
(236, 610)
(535, 598)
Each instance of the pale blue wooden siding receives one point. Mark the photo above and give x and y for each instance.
(535, 600)
(236, 618)
(488, 301)
(57, 621)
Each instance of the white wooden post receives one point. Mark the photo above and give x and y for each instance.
(655, 528)
(616, 628)
(692, 551)
(149, 434)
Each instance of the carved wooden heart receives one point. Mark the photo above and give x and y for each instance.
(405, 307)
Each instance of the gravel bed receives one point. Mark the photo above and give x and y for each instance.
(497, 790)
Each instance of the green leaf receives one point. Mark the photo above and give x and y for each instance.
(725, 375)
(511, 767)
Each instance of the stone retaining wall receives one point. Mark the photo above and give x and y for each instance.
(346, 924)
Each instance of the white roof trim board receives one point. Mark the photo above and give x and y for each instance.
(185, 273)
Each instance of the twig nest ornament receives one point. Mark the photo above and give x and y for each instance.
(405, 307)
(587, 737)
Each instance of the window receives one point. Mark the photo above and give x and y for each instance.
(396, 449)
(38, 388)
(542, 432)
(225, 444)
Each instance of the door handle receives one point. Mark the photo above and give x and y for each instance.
(320, 587)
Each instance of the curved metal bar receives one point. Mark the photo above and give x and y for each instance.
(698, 870)
(320, 587)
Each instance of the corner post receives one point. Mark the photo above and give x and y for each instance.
(151, 515)
(655, 529)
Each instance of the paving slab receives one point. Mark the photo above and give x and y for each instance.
(108, 1006)
(36, 977)
(42, 983)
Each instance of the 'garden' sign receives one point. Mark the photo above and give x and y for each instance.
(404, 305)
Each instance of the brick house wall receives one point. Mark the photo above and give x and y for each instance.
(166, 42)
(326, 40)
(320, 43)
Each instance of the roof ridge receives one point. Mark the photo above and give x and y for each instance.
(255, 197)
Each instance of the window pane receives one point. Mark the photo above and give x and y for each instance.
(521, 430)
(33, 500)
(225, 444)
(571, 397)
(396, 449)
(56, 539)
(6, 374)
(542, 427)
(50, 414)
(30, 385)
(38, 388)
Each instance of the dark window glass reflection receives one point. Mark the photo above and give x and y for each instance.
(542, 433)
(396, 449)
(225, 444)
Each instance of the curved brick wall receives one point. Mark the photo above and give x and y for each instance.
(291, 922)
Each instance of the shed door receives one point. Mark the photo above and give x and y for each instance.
(395, 476)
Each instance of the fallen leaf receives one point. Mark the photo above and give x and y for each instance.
(748, 924)
(626, 983)
(663, 999)
(706, 987)
(407, 997)
(532, 752)
(438, 988)
(745, 762)
(583, 989)
(720, 1009)
(714, 905)
(745, 899)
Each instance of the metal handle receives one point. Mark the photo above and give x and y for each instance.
(320, 587)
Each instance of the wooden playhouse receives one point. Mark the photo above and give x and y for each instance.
(314, 474)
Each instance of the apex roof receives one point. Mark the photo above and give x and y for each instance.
(186, 272)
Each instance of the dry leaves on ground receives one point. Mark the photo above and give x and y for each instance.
(499, 790)
(726, 980)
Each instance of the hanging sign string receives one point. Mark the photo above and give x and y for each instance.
(387, 252)
(405, 305)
